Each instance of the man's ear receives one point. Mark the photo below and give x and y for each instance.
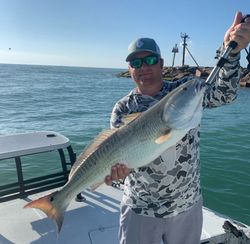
(129, 69)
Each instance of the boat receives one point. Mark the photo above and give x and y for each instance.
(91, 218)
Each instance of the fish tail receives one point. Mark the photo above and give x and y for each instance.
(52, 207)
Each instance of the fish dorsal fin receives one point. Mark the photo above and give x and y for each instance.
(105, 134)
(164, 137)
(91, 148)
(98, 141)
(130, 117)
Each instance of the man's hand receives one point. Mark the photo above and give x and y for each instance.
(238, 32)
(118, 172)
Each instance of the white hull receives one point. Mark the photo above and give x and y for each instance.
(94, 221)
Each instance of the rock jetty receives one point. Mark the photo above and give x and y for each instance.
(179, 72)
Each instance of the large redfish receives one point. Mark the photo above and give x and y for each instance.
(137, 143)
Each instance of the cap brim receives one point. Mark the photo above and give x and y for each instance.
(130, 56)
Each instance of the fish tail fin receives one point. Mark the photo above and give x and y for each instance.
(52, 207)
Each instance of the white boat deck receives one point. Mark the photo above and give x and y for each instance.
(92, 222)
(95, 221)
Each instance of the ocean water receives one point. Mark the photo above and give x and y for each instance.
(77, 103)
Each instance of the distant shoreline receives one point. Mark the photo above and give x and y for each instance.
(179, 72)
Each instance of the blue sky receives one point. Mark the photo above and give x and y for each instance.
(96, 33)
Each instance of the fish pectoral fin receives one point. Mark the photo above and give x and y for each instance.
(166, 136)
(95, 186)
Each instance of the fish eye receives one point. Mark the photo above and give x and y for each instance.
(184, 89)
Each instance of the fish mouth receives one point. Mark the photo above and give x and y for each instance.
(189, 117)
(197, 113)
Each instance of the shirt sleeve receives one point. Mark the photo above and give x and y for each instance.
(224, 89)
(118, 111)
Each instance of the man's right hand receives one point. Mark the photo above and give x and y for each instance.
(118, 172)
(238, 32)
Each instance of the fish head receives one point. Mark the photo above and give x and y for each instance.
(183, 106)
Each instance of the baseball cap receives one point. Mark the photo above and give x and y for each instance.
(143, 44)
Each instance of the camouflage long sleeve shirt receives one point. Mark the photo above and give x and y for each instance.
(171, 184)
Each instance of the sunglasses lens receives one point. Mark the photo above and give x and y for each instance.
(151, 60)
(136, 63)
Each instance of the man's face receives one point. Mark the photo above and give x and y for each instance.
(148, 77)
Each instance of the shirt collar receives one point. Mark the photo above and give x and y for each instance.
(164, 90)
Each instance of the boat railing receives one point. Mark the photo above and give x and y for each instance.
(15, 147)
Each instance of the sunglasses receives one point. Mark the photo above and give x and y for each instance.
(149, 60)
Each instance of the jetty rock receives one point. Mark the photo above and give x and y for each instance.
(179, 72)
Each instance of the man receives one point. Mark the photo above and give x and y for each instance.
(162, 201)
